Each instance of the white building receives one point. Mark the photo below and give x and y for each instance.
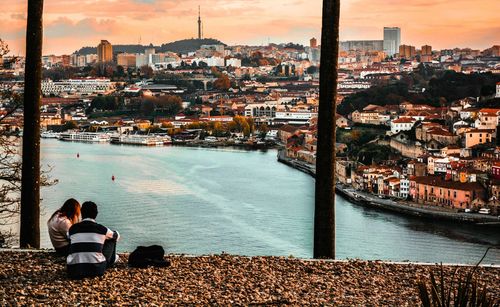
(233, 62)
(404, 187)
(77, 86)
(267, 109)
(402, 124)
(215, 61)
(141, 60)
(498, 90)
(294, 117)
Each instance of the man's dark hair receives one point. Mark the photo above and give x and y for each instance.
(89, 210)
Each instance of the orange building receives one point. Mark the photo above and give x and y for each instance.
(436, 191)
(407, 51)
(104, 52)
(313, 43)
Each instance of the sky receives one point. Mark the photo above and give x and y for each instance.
(71, 24)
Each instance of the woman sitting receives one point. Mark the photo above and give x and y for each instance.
(59, 224)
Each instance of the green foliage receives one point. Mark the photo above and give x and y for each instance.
(106, 103)
(222, 82)
(371, 153)
(441, 89)
(379, 95)
(453, 85)
(460, 290)
(162, 105)
(69, 125)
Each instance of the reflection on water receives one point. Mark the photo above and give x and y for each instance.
(201, 201)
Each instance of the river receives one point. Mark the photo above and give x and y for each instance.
(204, 201)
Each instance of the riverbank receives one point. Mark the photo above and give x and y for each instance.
(297, 164)
(406, 208)
(28, 278)
(370, 200)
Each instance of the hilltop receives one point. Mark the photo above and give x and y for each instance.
(181, 46)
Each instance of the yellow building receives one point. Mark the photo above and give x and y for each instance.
(104, 52)
(126, 59)
(478, 136)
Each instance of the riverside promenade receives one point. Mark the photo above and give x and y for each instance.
(398, 206)
(39, 278)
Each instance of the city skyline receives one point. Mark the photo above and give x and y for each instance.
(422, 22)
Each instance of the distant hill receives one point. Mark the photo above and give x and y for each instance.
(182, 46)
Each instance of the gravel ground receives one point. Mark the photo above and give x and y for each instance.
(39, 278)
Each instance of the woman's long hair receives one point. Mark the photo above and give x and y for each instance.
(70, 209)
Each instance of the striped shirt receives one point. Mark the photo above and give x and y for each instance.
(85, 257)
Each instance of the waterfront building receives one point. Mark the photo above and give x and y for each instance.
(433, 190)
(392, 40)
(104, 52)
(293, 117)
(286, 131)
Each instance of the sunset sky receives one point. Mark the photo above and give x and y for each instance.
(71, 24)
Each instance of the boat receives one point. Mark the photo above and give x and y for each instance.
(144, 140)
(88, 137)
(49, 135)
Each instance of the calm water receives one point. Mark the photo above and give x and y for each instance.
(202, 201)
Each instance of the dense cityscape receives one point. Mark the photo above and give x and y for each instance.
(413, 124)
(250, 153)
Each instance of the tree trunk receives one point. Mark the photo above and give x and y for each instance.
(324, 215)
(30, 185)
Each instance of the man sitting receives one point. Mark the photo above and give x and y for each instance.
(93, 247)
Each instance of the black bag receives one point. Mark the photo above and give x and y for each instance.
(144, 256)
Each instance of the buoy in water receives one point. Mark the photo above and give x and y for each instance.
(78, 155)
(113, 177)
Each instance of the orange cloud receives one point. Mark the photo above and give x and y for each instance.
(70, 24)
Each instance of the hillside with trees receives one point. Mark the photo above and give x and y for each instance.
(181, 46)
(441, 88)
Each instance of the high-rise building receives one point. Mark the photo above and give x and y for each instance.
(426, 54)
(407, 51)
(426, 50)
(104, 52)
(392, 40)
(313, 43)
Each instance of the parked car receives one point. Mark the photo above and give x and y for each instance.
(484, 211)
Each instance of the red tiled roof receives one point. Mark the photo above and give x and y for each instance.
(404, 120)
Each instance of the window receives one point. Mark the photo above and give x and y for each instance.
(454, 194)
